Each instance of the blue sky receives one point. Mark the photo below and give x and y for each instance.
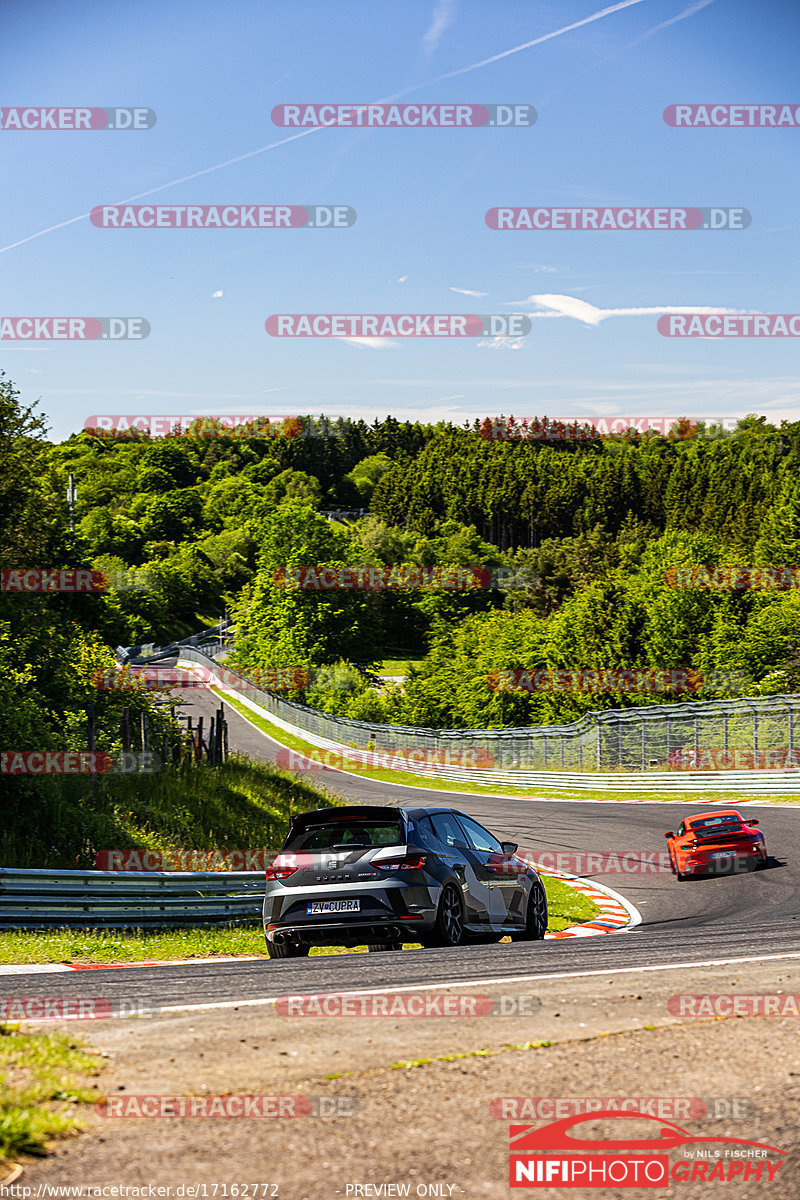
(213, 73)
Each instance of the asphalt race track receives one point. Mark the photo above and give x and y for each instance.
(732, 917)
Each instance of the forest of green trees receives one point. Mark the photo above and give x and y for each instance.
(584, 529)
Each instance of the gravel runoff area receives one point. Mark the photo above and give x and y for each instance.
(429, 1125)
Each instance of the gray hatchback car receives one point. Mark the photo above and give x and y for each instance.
(383, 876)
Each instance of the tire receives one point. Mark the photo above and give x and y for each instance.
(535, 917)
(288, 949)
(679, 875)
(448, 929)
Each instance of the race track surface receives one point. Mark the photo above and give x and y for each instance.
(731, 917)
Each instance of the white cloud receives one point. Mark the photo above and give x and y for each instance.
(215, 295)
(501, 343)
(443, 14)
(467, 292)
(402, 279)
(370, 343)
(589, 314)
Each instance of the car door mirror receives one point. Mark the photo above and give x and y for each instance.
(670, 834)
(752, 822)
(510, 847)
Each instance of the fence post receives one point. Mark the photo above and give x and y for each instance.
(90, 739)
(145, 733)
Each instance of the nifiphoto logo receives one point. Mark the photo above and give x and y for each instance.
(77, 118)
(404, 116)
(556, 1155)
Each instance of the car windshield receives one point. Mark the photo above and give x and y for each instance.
(712, 826)
(348, 833)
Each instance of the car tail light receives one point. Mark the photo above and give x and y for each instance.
(279, 871)
(407, 862)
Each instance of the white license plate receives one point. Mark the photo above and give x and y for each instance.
(317, 907)
(725, 854)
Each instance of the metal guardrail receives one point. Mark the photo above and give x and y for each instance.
(622, 741)
(44, 899)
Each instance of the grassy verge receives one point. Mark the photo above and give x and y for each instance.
(720, 799)
(240, 804)
(399, 664)
(43, 1084)
(566, 907)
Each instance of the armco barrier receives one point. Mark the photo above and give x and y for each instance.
(308, 724)
(43, 899)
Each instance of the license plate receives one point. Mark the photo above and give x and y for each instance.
(725, 854)
(317, 907)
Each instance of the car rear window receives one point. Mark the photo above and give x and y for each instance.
(364, 832)
(710, 826)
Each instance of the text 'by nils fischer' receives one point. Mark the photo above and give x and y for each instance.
(401, 325)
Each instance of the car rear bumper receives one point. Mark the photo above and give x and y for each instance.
(351, 933)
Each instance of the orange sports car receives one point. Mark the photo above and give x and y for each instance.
(715, 843)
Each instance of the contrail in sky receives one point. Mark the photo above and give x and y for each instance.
(229, 162)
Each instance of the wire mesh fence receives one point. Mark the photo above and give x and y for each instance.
(737, 734)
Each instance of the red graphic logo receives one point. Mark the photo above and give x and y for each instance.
(551, 1156)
